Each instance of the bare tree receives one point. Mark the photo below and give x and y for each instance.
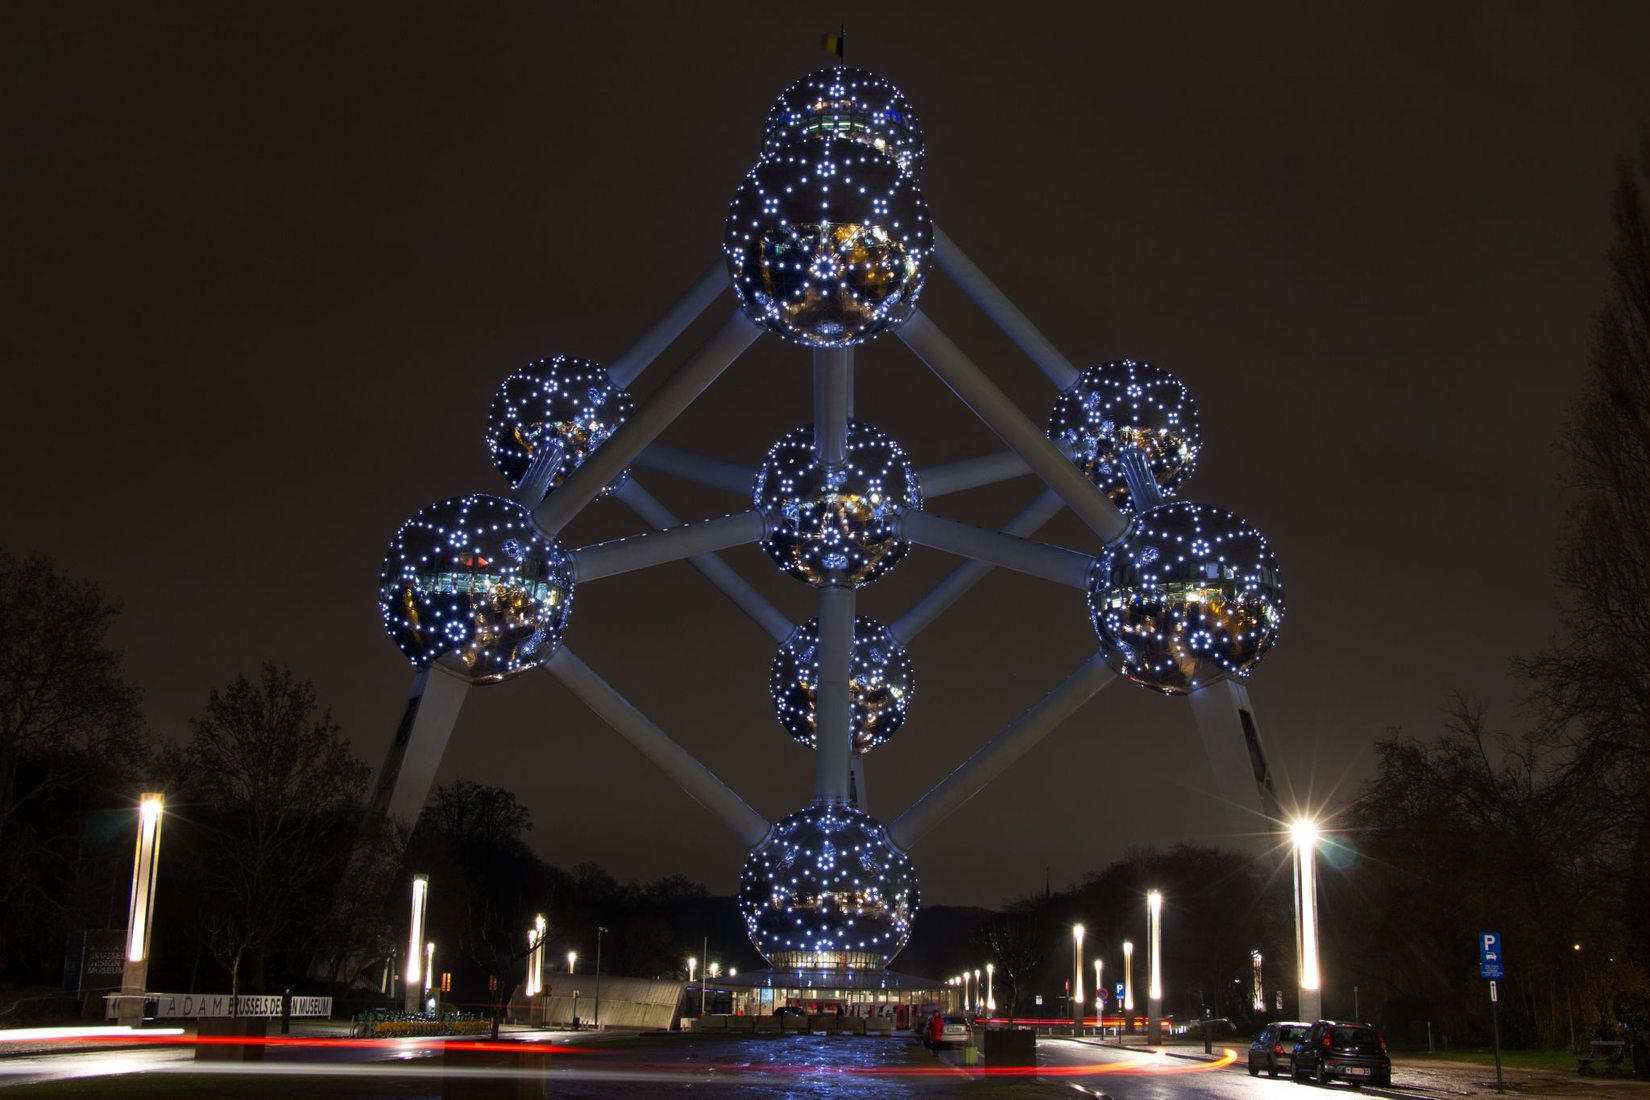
(281, 794)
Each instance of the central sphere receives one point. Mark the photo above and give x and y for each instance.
(1188, 591)
(880, 684)
(472, 578)
(1126, 404)
(828, 242)
(827, 890)
(851, 104)
(568, 404)
(838, 524)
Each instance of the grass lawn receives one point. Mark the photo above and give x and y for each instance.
(1537, 1058)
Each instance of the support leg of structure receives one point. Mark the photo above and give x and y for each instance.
(1003, 313)
(715, 472)
(833, 377)
(833, 709)
(693, 777)
(1231, 738)
(966, 576)
(583, 485)
(996, 755)
(777, 625)
(666, 329)
(427, 722)
(1023, 437)
(970, 473)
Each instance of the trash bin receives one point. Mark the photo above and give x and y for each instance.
(971, 1055)
(1641, 1059)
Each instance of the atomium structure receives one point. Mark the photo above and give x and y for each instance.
(828, 243)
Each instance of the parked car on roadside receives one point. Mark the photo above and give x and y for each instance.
(1351, 1052)
(953, 1031)
(1274, 1050)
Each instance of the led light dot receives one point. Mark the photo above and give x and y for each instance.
(837, 523)
(827, 890)
(1121, 404)
(562, 401)
(1188, 590)
(471, 577)
(880, 684)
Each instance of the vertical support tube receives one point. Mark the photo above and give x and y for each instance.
(833, 375)
(856, 781)
(832, 709)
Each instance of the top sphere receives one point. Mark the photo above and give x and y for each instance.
(472, 578)
(851, 104)
(1190, 590)
(1127, 404)
(564, 403)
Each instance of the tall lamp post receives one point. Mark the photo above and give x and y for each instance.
(572, 957)
(413, 979)
(600, 932)
(1305, 834)
(1100, 995)
(1154, 991)
(991, 988)
(140, 919)
(979, 998)
(1077, 979)
(1128, 986)
(1258, 1002)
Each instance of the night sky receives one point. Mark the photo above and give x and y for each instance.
(264, 267)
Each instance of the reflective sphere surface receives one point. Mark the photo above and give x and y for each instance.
(827, 890)
(470, 577)
(1187, 587)
(564, 403)
(1123, 404)
(840, 522)
(880, 683)
(850, 104)
(828, 243)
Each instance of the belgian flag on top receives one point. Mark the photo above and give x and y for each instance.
(834, 43)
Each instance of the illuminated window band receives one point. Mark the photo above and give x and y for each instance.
(1186, 584)
(471, 577)
(880, 684)
(1123, 404)
(851, 104)
(839, 523)
(560, 402)
(828, 890)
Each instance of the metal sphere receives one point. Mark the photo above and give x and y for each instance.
(838, 524)
(1190, 590)
(880, 683)
(827, 890)
(472, 578)
(851, 104)
(828, 243)
(1127, 404)
(569, 404)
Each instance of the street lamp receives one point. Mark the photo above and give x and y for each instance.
(429, 966)
(979, 1000)
(531, 988)
(1077, 979)
(1154, 991)
(414, 978)
(600, 932)
(1128, 985)
(1259, 1001)
(572, 957)
(1305, 834)
(990, 988)
(141, 916)
(1100, 995)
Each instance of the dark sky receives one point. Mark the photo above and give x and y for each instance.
(264, 266)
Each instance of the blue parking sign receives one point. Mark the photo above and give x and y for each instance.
(1491, 966)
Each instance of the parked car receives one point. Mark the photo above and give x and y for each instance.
(1274, 1051)
(953, 1031)
(1353, 1052)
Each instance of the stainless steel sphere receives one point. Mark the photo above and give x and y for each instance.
(471, 578)
(1127, 404)
(841, 523)
(828, 242)
(1189, 591)
(827, 890)
(851, 104)
(567, 404)
(880, 684)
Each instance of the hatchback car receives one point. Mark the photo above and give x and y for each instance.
(1274, 1051)
(953, 1031)
(1352, 1052)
